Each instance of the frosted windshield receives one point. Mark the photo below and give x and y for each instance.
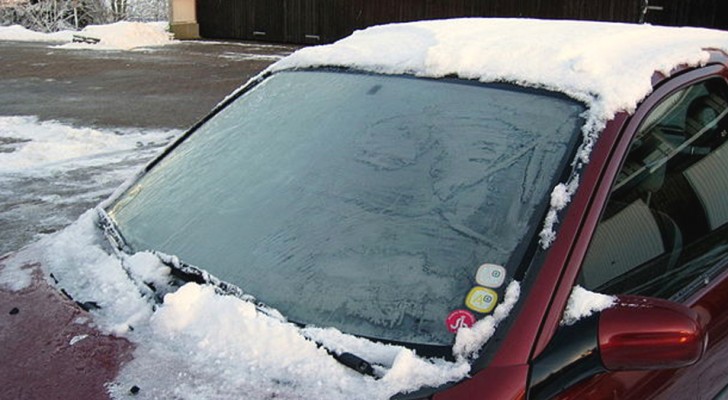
(358, 201)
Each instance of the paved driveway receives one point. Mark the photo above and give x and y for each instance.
(164, 87)
(122, 95)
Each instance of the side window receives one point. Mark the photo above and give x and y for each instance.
(663, 232)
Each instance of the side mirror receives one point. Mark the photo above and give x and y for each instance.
(640, 333)
(637, 333)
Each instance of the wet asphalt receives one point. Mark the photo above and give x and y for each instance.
(163, 88)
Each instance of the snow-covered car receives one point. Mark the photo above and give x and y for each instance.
(454, 209)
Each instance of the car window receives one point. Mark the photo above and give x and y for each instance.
(663, 232)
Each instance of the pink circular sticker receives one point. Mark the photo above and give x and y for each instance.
(458, 319)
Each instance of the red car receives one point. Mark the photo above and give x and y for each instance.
(496, 209)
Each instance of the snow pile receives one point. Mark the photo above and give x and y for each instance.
(18, 33)
(28, 146)
(124, 36)
(607, 66)
(583, 303)
(201, 344)
(117, 36)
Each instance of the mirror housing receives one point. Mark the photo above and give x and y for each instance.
(642, 333)
(636, 333)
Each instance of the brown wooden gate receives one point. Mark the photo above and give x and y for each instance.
(324, 21)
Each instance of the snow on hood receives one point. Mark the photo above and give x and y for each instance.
(608, 66)
(201, 344)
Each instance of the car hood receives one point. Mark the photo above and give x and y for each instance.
(50, 346)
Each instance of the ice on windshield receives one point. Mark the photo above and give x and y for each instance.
(358, 201)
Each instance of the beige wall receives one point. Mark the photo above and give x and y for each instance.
(183, 19)
(182, 11)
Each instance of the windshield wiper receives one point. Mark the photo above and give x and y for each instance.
(350, 360)
(354, 362)
(189, 273)
(112, 234)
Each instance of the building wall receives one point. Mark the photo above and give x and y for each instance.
(184, 11)
(183, 19)
(324, 21)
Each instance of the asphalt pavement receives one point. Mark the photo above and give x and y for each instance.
(164, 88)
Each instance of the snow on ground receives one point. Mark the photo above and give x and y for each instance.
(117, 36)
(125, 35)
(28, 146)
(51, 172)
(18, 33)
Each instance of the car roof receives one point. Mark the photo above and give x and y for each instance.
(608, 66)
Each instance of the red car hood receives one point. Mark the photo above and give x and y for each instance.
(50, 350)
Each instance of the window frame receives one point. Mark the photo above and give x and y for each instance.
(617, 193)
(597, 183)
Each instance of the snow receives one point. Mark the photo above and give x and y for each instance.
(218, 346)
(16, 273)
(121, 35)
(607, 66)
(583, 303)
(470, 340)
(51, 172)
(35, 147)
(18, 33)
(124, 35)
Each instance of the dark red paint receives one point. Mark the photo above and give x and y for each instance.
(38, 361)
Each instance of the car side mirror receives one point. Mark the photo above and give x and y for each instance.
(640, 333)
(636, 333)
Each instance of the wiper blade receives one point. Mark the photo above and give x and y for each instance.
(350, 360)
(110, 231)
(354, 362)
(189, 273)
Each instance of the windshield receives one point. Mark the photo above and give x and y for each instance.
(359, 201)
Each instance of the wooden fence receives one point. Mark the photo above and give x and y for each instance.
(324, 21)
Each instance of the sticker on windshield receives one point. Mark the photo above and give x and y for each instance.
(490, 275)
(481, 299)
(458, 319)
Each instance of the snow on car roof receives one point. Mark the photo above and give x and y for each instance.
(609, 66)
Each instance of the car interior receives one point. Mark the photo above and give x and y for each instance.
(661, 229)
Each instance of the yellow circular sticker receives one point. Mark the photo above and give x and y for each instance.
(481, 299)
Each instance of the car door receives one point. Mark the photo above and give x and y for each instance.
(664, 232)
